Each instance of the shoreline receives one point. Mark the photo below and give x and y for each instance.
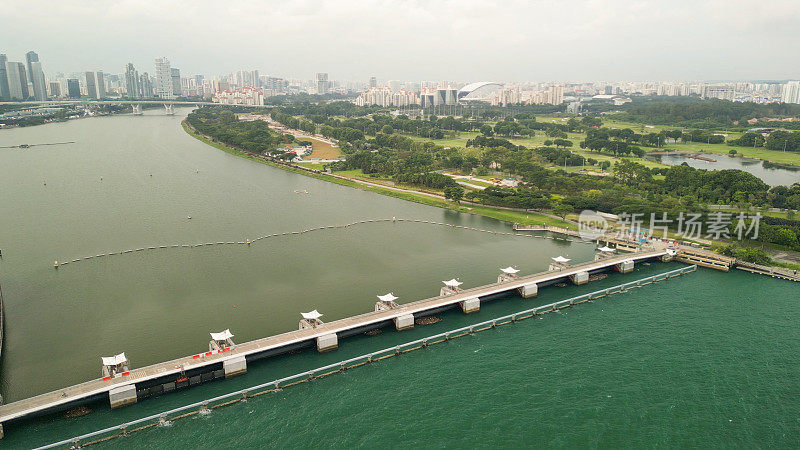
(694, 153)
(426, 198)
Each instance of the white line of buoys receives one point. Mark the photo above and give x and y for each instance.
(394, 219)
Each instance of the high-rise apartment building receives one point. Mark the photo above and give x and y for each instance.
(132, 85)
(175, 76)
(555, 94)
(163, 79)
(146, 85)
(373, 82)
(323, 85)
(791, 92)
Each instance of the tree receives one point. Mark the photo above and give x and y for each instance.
(454, 193)
(562, 143)
(486, 130)
(561, 210)
(387, 129)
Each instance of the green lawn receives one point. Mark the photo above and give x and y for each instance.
(476, 182)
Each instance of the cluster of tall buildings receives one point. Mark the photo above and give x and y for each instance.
(22, 81)
(384, 96)
(246, 95)
(742, 91)
(431, 94)
(25, 81)
(791, 92)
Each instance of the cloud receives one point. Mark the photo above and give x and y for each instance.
(415, 39)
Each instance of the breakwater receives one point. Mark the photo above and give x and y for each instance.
(248, 242)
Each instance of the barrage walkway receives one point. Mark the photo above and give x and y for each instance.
(273, 344)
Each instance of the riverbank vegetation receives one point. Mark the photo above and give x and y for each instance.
(522, 217)
(711, 114)
(374, 147)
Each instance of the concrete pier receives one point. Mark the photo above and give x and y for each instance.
(122, 396)
(404, 322)
(579, 278)
(529, 290)
(235, 366)
(625, 266)
(327, 342)
(470, 305)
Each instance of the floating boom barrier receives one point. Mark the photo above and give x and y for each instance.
(250, 242)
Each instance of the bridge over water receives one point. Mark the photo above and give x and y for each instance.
(124, 387)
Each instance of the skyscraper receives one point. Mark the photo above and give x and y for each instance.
(4, 95)
(163, 74)
(73, 88)
(373, 82)
(55, 89)
(323, 85)
(555, 94)
(31, 57)
(146, 85)
(132, 82)
(17, 81)
(791, 92)
(95, 85)
(36, 75)
(175, 75)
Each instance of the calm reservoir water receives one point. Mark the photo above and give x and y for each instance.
(762, 169)
(131, 182)
(707, 359)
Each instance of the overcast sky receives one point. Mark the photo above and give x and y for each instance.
(464, 40)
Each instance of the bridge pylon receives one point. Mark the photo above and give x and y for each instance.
(170, 109)
(137, 109)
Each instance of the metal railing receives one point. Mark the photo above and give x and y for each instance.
(319, 372)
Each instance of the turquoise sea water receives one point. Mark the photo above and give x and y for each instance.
(706, 359)
(699, 361)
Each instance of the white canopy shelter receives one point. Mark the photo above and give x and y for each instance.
(312, 315)
(606, 248)
(452, 283)
(114, 360)
(561, 259)
(509, 270)
(222, 336)
(388, 297)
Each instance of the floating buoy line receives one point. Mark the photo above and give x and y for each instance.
(250, 242)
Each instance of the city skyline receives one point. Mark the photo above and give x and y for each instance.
(543, 41)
